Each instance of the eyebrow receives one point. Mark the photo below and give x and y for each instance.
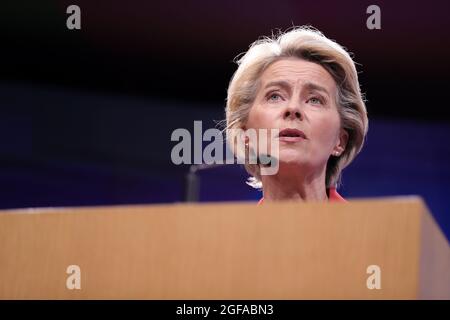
(281, 83)
(286, 85)
(315, 87)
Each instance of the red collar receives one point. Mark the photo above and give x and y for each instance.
(334, 196)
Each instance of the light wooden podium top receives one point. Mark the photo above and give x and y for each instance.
(279, 250)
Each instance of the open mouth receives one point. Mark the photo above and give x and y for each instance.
(292, 133)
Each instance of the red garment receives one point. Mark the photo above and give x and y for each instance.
(334, 196)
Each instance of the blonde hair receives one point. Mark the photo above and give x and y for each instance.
(311, 45)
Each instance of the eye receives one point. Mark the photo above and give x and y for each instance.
(274, 97)
(315, 100)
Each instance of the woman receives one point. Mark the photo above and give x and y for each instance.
(306, 86)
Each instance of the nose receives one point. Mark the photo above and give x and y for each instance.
(292, 111)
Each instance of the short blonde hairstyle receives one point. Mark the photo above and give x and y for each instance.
(311, 45)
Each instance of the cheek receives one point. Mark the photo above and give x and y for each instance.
(325, 131)
(258, 117)
(254, 118)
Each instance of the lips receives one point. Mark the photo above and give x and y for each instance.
(290, 134)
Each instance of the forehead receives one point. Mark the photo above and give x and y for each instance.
(295, 71)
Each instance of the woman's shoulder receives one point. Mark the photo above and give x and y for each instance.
(334, 196)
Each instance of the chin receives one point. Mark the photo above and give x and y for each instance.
(291, 157)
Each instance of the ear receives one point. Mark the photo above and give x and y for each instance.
(341, 143)
(244, 136)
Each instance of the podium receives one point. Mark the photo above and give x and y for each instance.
(233, 251)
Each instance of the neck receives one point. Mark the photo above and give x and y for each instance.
(296, 186)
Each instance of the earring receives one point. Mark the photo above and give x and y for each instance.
(336, 153)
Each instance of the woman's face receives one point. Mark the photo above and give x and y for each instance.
(299, 95)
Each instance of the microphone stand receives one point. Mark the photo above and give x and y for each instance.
(192, 182)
